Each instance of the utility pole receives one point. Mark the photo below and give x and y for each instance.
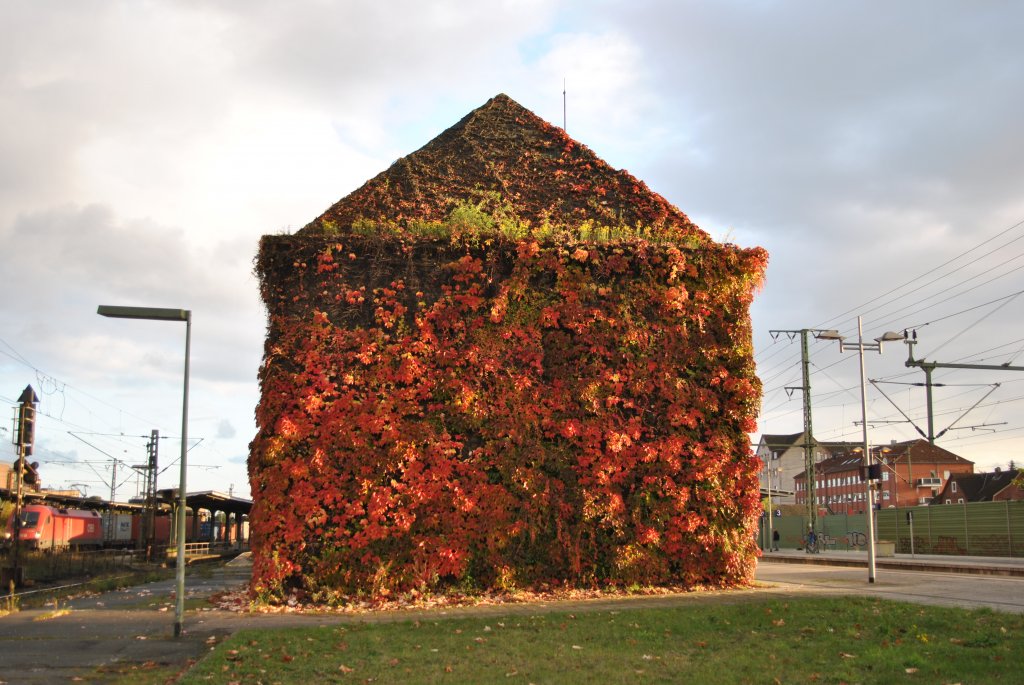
(929, 367)
(808, 445)
(151, 488)
(111, 526)
(871, 471)
(147, 532)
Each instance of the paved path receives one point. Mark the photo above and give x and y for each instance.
(114, 632)
(133, 628)
(998, 566)
(993, 583)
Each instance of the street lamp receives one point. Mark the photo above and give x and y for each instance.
(861, 346)
(160, 314)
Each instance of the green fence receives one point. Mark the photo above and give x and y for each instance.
(990, 529)
(841, 532)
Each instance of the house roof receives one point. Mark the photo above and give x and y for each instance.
(843, 463)
(846, 454)
(780, 441)
(977, 487)
(504, 154)
(835, 448)
(921, 451)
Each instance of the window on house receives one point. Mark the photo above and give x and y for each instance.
(953, 486)
(885, 475)
(960, 501)
(947, 501)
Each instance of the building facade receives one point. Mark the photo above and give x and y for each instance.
(912, 473)
(783, 458)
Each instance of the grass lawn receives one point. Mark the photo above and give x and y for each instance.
(814, 640)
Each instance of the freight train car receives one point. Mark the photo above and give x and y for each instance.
(127, 530)
(53, 529)
(118, 530)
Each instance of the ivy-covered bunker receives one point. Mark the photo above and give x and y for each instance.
(503, 363)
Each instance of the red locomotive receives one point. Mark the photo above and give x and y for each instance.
(49, 528)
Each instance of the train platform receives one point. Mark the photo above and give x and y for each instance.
(996, 566)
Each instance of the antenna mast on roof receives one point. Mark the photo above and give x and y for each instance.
(563, 107)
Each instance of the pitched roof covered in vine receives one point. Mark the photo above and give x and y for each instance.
(503, 154)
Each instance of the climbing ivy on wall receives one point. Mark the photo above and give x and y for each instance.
(504, 410)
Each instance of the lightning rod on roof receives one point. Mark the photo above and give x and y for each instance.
(564, 128)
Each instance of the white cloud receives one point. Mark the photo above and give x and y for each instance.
(147, 147)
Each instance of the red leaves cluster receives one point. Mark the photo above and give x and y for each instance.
(515, 413)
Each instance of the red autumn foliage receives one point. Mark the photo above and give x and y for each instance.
(504, 413)
(502, 362)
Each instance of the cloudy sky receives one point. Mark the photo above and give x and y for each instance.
(874, 148)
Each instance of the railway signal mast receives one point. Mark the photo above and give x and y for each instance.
(24, 439)
(147, 531)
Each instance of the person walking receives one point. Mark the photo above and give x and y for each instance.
(775, 540)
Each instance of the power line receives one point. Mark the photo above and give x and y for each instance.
(933, 289)
(17, 356)
(864, 306)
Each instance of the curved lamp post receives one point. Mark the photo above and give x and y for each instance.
(159, 314)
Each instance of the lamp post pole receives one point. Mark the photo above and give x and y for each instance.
(869, 473)
(160, 314)
(179, 577)
(868, 483)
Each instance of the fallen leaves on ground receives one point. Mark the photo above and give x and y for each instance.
(239, 600)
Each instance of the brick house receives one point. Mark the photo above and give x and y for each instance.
(997, 486)
(912, 473)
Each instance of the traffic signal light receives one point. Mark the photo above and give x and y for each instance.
(26, 425)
